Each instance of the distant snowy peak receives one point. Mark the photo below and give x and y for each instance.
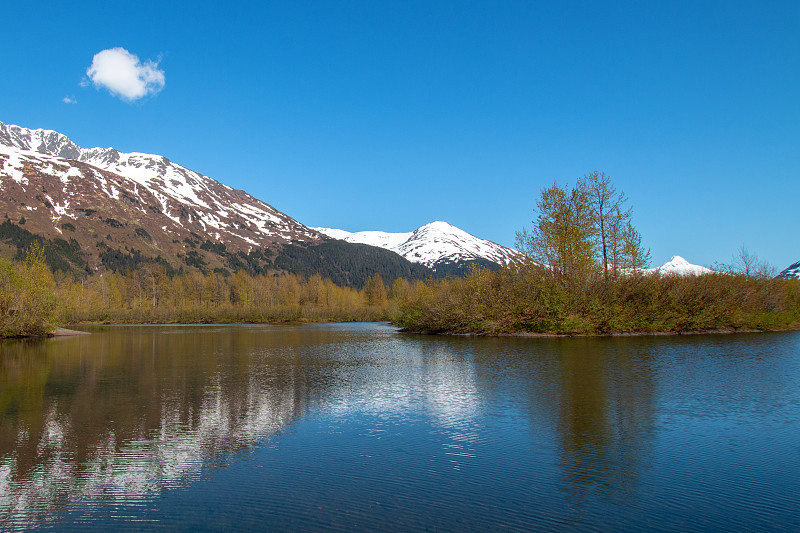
(437, 242)
(678, 266)
(791, 272)
(380, 239)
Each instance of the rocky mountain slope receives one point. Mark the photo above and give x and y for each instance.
(791, 272)
(437, 245)
(99, 209)
(151, 184)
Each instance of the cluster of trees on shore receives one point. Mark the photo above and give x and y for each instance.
(529, 298)
(28, 303)
(33, 300)
(151, 296)
(584, 274)
(584, 229)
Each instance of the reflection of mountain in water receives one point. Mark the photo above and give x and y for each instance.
(126, 415)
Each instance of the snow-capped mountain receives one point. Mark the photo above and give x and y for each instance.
(189, 199)
(433, 244)
(790, 272)
(678, 266)
(104, 209)
(101, 209)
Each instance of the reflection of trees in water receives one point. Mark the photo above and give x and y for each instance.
(606, 413)
(129, 413)
(125, 413)
(596, 396)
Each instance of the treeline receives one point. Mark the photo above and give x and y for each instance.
(150, 295)
(347, 264)
(528, 298)
(33, 300)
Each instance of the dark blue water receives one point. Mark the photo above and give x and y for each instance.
(359, 427)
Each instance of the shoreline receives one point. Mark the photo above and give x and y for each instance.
(520, 334)
(65, 332)
(533, 335)
(56, 333)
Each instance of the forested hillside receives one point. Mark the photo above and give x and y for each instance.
(346, 264)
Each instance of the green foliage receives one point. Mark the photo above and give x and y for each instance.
(28, 304)
(528, 298)
(194, 259)
(115, 260)
(114, 223)
(562, 233)
(149, 294)
(584, 229)
(462, 268)
(218, 248)
(375, 291)
(141, 232)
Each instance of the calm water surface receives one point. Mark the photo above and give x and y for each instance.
(359, 427)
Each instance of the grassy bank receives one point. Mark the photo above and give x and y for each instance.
(530, 299)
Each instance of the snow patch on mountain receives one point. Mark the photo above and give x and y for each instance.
(430, 244)
(381, 239)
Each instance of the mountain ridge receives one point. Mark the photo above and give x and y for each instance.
(172, 185)
(135, 204)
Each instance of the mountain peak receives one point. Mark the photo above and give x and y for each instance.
(434, 243)
(39, 140)
(438, 225)
(679, 266)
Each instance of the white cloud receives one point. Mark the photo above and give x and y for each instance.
(69, 100)
(124, 75)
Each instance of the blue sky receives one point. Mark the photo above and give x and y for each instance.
(389, 115)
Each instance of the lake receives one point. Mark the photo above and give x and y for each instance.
(360, 427)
